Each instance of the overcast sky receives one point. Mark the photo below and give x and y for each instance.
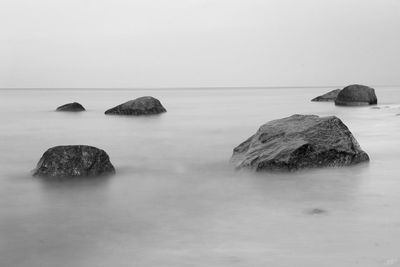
(185, 43)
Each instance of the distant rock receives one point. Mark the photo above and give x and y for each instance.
(297, 142)
(74, 161)
(356, 95)
(330, 96)
(316, 211)
(71, 107)
(145, 105)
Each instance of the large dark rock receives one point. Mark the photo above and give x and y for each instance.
(330, 96)
(145, 105)
(74, 161)
(356, 95)
(297, 142)
(71, 107)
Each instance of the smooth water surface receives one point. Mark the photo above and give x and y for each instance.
(177, 201)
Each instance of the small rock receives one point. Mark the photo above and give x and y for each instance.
(74, 161)
(356, 95)
(317, 211)
(71, 107)
(330, 96)
(145, 105)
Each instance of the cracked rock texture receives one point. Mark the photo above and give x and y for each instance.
(74, 161)
(298, 142)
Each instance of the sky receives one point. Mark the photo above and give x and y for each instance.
(198, 43)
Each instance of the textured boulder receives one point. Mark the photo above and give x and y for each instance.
(74, 161)
(297, 142)
(356, 95)
(145, 105)
(330, 96)
(71, 107)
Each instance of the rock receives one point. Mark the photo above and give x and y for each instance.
(356, 95)
(316, 211)
(297, 142)
(74, 161)
(145, 105)
(71, 107)
(330, 96)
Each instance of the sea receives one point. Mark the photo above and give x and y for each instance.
(176, 200)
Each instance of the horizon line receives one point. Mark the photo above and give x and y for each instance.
(180, 87)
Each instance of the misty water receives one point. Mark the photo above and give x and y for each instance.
(177, 201)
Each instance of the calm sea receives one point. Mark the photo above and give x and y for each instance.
(176, 200)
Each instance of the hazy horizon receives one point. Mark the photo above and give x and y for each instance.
(191, 87)
(198, 43)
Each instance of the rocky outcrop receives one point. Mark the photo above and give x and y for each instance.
(74, 161)
(145, 105)
(330, 96)
(297, 142)
(71, 107)
(356, 95)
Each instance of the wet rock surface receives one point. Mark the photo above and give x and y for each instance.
(356, 95)
(74, 161)
(145, 105)
(328, 97)
(298, 142)
(74, 107)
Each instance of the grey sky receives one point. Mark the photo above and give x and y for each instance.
(178, 43)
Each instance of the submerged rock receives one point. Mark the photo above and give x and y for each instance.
(297, 142)
(316, 211)
(74, 161)
(356, 95)
(71, 107)
(330, 96)
(145, 105)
